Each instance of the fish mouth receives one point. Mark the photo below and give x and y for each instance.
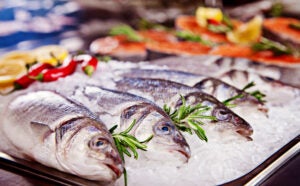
(115, 169)
(186, 154)
(246, 133)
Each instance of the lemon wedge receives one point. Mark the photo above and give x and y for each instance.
(52, 54)
(10, 70)
(25, 56)
(246, 33)
(203, 14)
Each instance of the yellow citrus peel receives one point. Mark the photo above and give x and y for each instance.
(10, 70)
(203, 14)
(246, 33)
(52, 54)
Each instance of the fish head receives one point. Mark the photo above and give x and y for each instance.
(224, 91)
(168, 137)
(167, 142)
(224, 117)
(229, 119)
(86, 148)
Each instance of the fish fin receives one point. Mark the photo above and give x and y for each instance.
(38, 127)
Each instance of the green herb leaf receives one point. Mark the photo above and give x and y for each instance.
(227, 101)
(257, 94)
(125, 177)
(144, 24)
(125, 142)
(218, 28)
(189, 36)
(227, 21)
(295, 26)
(276, 10)
(189, 118)
(275, 47)
(249, 85)
(104, 58)
(126, 30)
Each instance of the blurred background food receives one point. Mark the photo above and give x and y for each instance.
(27, 24)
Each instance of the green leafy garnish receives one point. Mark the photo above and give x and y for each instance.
(257, 94)
(188, 118)
(275, 47)
(125, 142)
(295, 26)
(218, 28)
(144, 24)
(227, 21)
(276, 10)
(104, 58)
(128, 31)
(189, 36)
(223, 27)
(228, 101)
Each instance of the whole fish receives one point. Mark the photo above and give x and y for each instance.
(277, 92)
(48, 128)
(114, 107)
(215, 87)
(216, 65)
(167, 92)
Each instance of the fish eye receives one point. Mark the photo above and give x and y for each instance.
(163, 129)
(221, 115)
(98, 143)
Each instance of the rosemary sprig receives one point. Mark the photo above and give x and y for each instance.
(228, 101)
(188, 118)
(275, 47)
(189, 36)
(257, 94)
(126, 30)
(125, 142)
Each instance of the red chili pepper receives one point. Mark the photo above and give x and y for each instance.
(213, 22)
(26, 80)
(68, 67)
(89, 63)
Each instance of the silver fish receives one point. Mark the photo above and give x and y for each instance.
(114, 107)
(182, 77)
(277, 92)
(216, 65)
(46, 127)
(167, 92)
(215, 87)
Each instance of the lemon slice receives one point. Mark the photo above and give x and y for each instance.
(52, 54)
(246, 33)
(10, 70)
(25, 56)
(203, 14)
